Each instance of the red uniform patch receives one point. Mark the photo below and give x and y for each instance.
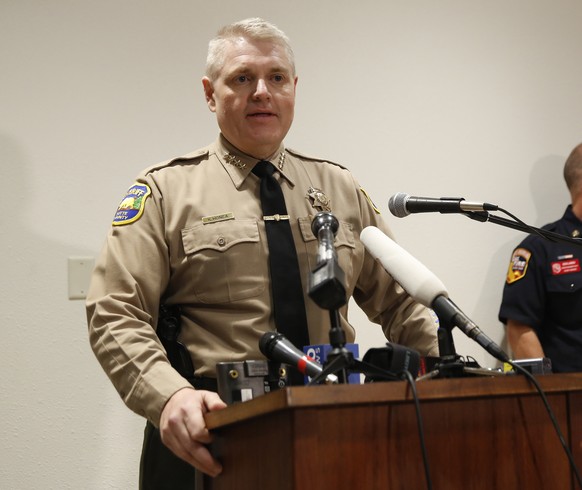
(565, 267)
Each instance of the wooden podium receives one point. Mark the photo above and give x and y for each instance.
(481, 433)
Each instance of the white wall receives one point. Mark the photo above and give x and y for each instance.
(450, 98)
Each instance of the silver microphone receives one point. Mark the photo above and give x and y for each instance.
(401, 205)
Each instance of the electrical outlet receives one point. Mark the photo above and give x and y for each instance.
(80, 270)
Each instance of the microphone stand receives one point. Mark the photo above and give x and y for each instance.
(450, 364)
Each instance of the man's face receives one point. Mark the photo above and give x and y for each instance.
(253, 96)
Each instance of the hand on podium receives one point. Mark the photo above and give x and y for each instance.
(183, 429)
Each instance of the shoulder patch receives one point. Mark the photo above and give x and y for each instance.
(369, 199)
(132, 205)
(518, 265)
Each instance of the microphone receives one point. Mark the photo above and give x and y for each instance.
(424, 286)
(401, 205)
(327, 281)
(324, 226)
(276, 347)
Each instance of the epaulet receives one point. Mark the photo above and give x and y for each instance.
(189, 157)
(314, 159)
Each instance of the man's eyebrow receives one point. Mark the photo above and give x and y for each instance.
(245, 67)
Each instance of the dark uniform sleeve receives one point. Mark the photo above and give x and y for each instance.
(524, 294)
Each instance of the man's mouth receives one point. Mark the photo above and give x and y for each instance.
(261, 114)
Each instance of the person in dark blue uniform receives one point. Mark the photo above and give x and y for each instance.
(542, 297)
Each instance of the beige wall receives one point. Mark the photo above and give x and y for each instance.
(447, 98)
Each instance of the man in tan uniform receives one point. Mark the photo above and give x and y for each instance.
(190, 232)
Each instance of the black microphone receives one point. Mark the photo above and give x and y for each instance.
(327, 280)
(324, 226)
(424, 286)
(450, 313)
(401, 205)
(276, 347)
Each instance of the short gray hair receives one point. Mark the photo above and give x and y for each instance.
(573, 170)
(254, 29)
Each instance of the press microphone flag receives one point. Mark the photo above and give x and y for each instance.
(319, 353)
(276, 347)
(401, 205)
(423, 286)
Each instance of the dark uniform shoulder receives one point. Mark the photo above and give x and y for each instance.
(533, 246)
(302, 156)
(535, 241)
(551, 226)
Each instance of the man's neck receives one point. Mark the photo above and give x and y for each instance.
(577, 208)
(259, 153)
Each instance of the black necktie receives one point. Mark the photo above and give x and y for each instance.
(286, 288)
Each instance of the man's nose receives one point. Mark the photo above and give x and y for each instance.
(262, 90)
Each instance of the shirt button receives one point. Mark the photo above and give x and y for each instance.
(221, 241)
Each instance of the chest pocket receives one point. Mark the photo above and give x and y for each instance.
(565, 282)
(345, 245)
(227, 260)
(564, 299)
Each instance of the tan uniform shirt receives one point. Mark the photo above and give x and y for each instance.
(198, 240)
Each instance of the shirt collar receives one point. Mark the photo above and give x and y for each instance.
(571, 217)
(239, 165)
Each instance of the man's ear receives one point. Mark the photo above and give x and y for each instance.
(209, 93)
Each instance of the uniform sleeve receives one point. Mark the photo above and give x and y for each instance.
(404, 320)
(524, 293)
(122, 308)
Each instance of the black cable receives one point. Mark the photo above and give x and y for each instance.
(534, 381)
(406, 374)
(531, 229)
(517, 224)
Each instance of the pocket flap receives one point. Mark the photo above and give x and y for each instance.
(344, 236)
(219, 236)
